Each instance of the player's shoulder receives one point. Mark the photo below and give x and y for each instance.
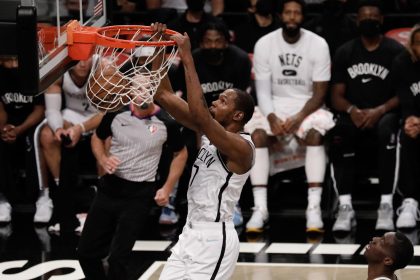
(403, 58)
(269, 37)
(237, 51)
(313, 37)
(347, 47)
(392, 45)
(247, 137)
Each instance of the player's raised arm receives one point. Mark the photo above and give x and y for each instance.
(165, 96)
(221, 128)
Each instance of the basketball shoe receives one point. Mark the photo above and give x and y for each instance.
(54, 229)
(385, 219)
(314, 219)
(5, 212)
(82, 219)
(257, 221)
(168, 216)
(238, 219)
(44, 209)
(345, 218)
(408, 214)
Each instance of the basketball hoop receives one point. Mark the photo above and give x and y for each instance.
(123, 71)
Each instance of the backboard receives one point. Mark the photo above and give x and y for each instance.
(47, 31)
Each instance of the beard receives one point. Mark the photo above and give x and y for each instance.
(291, 31)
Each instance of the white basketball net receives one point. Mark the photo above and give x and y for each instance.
(121, 76)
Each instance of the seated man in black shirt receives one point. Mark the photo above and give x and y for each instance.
(407, 66)
(19, 116)
(386, 254)
(365, 103)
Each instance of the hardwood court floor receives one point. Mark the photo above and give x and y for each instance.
(284, 251)
(258, 271)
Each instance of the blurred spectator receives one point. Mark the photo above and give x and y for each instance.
(407, 69)
(259, 22)
(129, 6)
(215, 7)
(192, 20)
(291, 81)
(19, 116)
(366, 106)
(236, 6)
(66, 126)
(334, 25)
(407, 6)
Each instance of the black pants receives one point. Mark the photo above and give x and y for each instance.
(119, 211)
(410, 166)
(18, 173)
(70, 193)
(346, 141)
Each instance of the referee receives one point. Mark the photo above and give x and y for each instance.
(125, 197)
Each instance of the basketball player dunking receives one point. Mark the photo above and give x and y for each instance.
(208, 247)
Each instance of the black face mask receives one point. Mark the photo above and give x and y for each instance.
(195, 5)
(213, 55)
(11, 74)
(370, 27)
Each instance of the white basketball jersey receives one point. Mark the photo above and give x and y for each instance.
(75, 97)
(214, 190)
(292, 68)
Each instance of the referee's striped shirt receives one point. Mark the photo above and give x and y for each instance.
(138, 142)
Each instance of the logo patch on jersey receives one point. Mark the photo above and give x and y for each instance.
(367, 80)
(415, 88)
(289, 72)
(152, 128)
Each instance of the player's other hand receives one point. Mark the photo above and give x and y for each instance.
(357, 117)
(109, 163)
(292, 124)
(412, 126)
(57, 134)
(75, 133)
(158, 29)
(184, 45)
(162, 197)
(372, 116)
(9, 133)
(276, 125)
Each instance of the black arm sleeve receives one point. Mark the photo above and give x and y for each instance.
(175, 141)
(104, 129)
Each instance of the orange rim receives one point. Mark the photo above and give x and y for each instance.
(105, 36)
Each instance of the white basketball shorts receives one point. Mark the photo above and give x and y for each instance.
(204, 251)
(321, 120)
